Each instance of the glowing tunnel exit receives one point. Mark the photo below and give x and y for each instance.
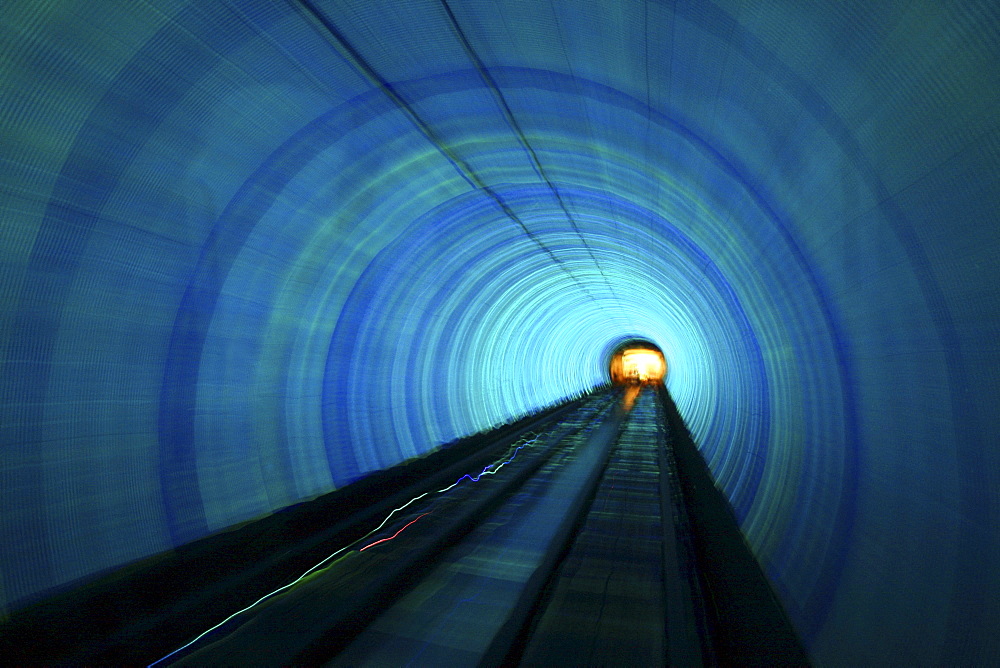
(644, 366)
(638, 364)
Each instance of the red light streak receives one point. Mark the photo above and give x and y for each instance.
(393, 535)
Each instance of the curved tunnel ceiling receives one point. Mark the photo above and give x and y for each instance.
(254, 250)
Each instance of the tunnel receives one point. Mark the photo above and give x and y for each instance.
(635, 361)
(255, 252)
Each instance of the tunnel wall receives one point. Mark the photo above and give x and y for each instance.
(252, 251)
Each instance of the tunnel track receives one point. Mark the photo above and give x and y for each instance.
(480, 574)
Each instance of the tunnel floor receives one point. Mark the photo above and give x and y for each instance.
(589, 534)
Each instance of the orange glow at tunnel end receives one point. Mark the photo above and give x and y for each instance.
(638, 365)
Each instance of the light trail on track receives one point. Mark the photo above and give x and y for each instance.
(487, 470)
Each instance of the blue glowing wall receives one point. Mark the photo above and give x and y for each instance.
(253, 250)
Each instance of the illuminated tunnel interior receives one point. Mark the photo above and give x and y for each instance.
(252, 251)
(637, 362)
